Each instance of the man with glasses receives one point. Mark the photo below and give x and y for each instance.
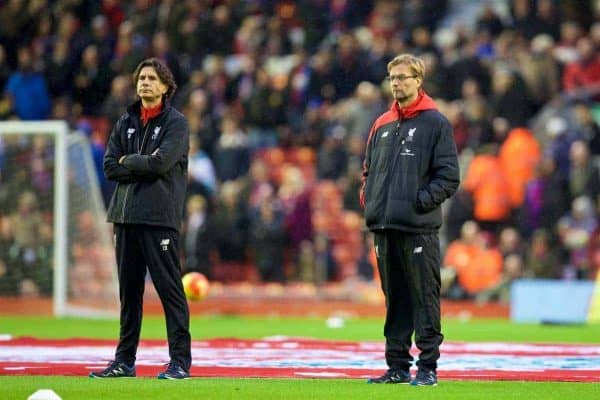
(410, 168)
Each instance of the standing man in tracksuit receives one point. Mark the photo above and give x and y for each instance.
(147, 155)
(410, 168)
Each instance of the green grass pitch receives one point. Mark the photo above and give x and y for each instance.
(259, 327)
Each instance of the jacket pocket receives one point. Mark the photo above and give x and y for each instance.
(375, 195)
(424, 202)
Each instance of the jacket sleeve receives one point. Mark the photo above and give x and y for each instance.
(444, 176)
(114, 151)
(174, 144)
(365, 170)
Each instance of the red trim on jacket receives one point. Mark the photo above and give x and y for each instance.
(148, 113)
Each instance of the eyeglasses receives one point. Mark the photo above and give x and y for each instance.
(399, 78)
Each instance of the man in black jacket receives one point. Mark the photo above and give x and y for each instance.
(147, 155)
(410, 168)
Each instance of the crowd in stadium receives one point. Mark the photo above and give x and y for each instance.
(280, 96)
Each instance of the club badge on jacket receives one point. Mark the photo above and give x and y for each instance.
(156, 132)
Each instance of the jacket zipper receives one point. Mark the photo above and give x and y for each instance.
(386, 221)
(129, 186)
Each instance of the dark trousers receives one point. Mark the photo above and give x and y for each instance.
(409, 267)
(139, 247)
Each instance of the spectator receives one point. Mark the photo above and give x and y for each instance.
(489, 21)
(510, 242)
(565, 50)
(359, 111)
(546, 199)
(332, 159)
(296, 201)
(258, 187)
(466, 66)
(512, 270)
(231, 228)
(198, 237)
(476, 111)
(27, 89)
(522, 18)
(267, 239)
(510, 99)
(59, 69)
(10, 273)
(584, 176)
(143, 17)
(594, 254)
(542, 259)
(126, 56)
(103, 38)
(5, 70)
(202, 123)
(484, 270)
(232, 154)
(221, 27)
(117, 100)
(202, 177)
(91, 82)
(540, 70)
(458, 257)
(263, 111)
(459, 212)
(170, 15)
(519, 155)
(33, 266)
(575, 230)
(488, 186)
(436, 84)
(587, 127)
(584, 72)
(161, 49)
(558, 143)
(546, 19)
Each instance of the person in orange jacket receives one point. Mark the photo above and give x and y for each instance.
(519, 155)
(488, 185)
(478, 265)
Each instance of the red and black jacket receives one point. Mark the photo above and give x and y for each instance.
(151, 184)
(410, 168)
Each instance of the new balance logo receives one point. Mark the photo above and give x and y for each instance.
(418, 250)
(164, 244)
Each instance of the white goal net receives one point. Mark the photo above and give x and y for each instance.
(54, 239)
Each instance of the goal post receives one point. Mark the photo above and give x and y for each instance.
(40, 163)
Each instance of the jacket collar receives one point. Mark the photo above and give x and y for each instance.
(421, 103)
(135, 108)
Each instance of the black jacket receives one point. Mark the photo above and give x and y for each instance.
(410, 168)
(150, 187)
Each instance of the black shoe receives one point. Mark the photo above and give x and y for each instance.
(392, 376)
(174, 371)
(425, 377)
(115, 369)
